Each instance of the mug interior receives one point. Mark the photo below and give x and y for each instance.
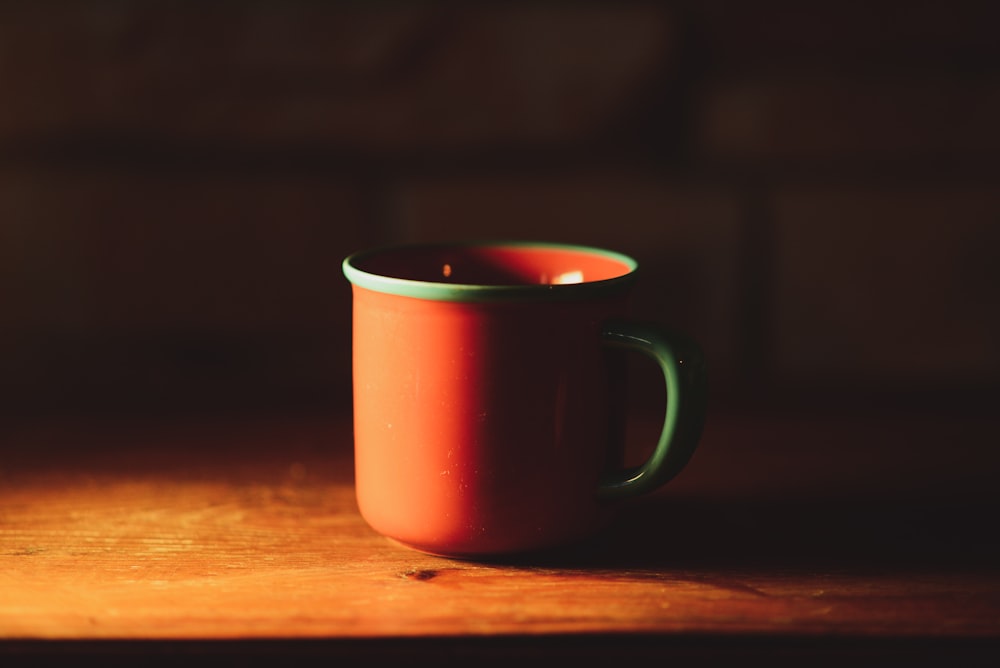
(502, 264)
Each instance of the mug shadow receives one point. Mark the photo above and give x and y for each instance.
(856, 535)
(925, 499)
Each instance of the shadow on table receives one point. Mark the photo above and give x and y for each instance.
(861, 535)
(913, 494)
(858, 535)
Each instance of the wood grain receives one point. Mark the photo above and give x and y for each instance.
(248, 528)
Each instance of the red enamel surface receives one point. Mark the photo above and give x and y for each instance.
(481, 427)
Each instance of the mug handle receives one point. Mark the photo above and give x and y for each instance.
(683, 366)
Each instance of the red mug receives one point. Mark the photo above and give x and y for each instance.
(488, 387)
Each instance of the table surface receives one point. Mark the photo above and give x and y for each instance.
(846, 530)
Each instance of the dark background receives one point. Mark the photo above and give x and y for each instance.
(811, 188)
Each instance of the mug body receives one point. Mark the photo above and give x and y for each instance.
(485, 419)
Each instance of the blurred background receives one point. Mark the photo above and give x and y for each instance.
(811, 189)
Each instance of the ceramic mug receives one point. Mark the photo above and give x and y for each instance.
(488, 384)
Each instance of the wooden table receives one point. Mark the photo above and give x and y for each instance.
(788, 536)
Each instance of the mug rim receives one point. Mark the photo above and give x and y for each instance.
(472, 292)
